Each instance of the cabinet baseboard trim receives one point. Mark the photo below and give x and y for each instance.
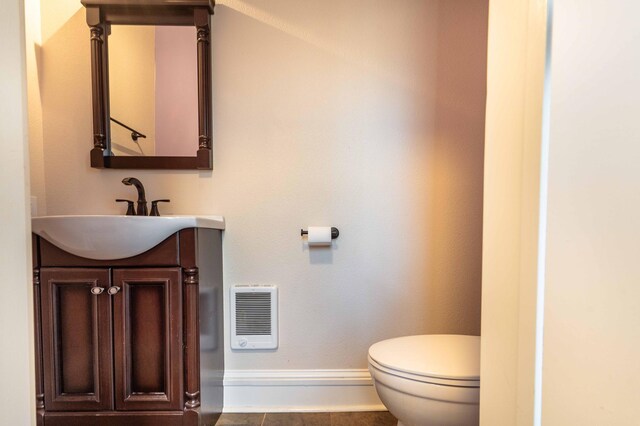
(269, 391)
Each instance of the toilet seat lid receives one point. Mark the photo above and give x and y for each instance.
(445, 356)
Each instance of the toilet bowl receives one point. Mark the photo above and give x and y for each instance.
(428, 380)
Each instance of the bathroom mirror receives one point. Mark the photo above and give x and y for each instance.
(153, 91)
(151, 83)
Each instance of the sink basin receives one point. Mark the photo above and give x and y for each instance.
(115, 237)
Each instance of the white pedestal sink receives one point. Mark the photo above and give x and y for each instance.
(115, 237)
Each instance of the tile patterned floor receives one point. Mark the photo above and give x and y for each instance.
(370, 418)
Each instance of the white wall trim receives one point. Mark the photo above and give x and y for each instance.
(542, 225)
(263, 391)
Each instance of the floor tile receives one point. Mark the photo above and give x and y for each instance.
(297, 419)
(240, 419)
(367, 418)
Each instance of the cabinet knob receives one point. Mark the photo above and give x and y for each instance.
(113, 290)
(97, 290)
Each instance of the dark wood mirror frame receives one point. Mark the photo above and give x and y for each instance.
(101, 14)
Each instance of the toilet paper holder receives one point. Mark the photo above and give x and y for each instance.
(334, 232)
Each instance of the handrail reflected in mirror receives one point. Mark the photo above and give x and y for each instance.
(101, 16)
(134, 133)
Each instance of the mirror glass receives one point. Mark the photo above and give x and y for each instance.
(153, 90)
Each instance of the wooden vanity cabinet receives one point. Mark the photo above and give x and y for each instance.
(117, 342)
(147, 322)
(77, 340)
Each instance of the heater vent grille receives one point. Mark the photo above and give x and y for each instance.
(254, 313)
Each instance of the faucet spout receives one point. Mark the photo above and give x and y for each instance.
(142, 201)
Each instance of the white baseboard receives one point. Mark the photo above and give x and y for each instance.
(269, 391)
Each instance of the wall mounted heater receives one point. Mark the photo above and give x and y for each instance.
(254, 317)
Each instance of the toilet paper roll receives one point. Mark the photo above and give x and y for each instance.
(319, 236)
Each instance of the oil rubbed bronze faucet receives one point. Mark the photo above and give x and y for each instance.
(142, 201)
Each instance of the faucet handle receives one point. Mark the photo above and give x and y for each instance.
(130, 210)
(154, 207)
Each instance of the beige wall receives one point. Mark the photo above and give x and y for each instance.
(17, 393)
(592, 304)
(587, 289)
(33, 53)
(353, 114)
(512, 222)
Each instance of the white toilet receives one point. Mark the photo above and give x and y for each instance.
(428, 380)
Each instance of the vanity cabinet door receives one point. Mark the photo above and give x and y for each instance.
(76, 339)
(147, 321)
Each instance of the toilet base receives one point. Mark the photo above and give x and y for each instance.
(400, 423)
(414, 410)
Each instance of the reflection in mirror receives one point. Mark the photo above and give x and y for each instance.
(153, 90)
